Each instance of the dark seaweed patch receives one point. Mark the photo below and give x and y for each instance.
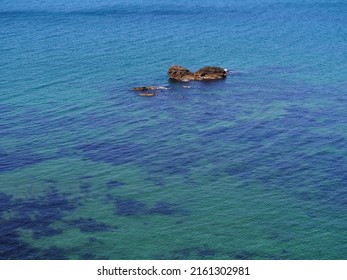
(19, 159)
(43, 211)
(53, 253)
(298, 157)
(5, 202)
(85, 187)
(129, 207)
(11, 247)
(50, 206)
(205, 252)
(36, 214)
(88, 225)
(45, 231)
(176, 160)
(110, 152)
(114, 184)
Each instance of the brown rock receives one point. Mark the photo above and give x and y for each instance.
(152, 88)
(149, 88)
(147, 94)
(140, 88)
(210, 73)
(179, 73)
(206, 73)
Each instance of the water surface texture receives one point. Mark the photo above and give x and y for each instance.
(250, 167)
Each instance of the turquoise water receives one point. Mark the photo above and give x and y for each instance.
(250, 167)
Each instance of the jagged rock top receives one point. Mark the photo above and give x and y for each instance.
(180, 73)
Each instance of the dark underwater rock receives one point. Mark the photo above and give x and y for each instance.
(88, 225)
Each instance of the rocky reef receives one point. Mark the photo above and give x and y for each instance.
(144, 90)
(147, 94)
(180, 73)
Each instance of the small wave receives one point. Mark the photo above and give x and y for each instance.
(237, 72)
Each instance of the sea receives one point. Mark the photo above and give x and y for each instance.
(253, 166)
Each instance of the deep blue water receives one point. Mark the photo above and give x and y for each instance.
(250, 167)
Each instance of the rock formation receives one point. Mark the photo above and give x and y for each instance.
(206, 73)
(179, 73)
(210, 73)
(147, 94)
(144, 90)
(149, 88)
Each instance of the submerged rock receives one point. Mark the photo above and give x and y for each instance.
(145, 88)
(180, 73)
(147, 94)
